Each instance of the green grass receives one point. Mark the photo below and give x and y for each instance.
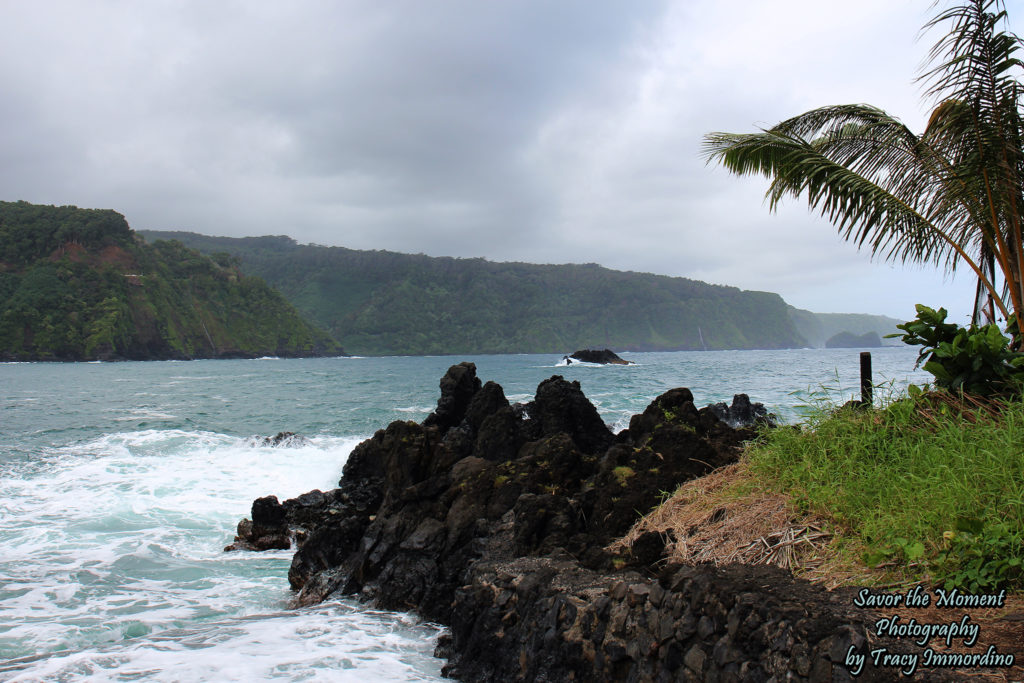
(918, 483)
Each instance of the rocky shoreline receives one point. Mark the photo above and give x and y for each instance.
(493, 519)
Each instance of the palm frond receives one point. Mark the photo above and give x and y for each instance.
(952, 195)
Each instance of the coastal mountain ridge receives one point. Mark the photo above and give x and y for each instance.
(80, 284)
(818, 328)
(389, 303)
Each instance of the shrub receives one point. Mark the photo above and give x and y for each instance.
(976, 360)
(981, 558)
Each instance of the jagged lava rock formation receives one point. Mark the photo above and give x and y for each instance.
(742, 412)
(493, 519)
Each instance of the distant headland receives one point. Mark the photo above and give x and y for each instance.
(388, 303)
(79, 284)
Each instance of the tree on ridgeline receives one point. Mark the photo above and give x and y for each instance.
(951, 196)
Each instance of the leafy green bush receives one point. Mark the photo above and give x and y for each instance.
(977, 360)
(982, 558)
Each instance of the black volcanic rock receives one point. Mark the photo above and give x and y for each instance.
(267, 530)
(268, 512)
(279, 525)
(333, 526)
(548, 619)
(477, 478)
(494, 519)
(458, 386)
(282, 440)
(603, 356)
(488, 400)
(675, 405)
(742, 413)
(561, 407)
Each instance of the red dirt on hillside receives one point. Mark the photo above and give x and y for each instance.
(112, 255)
(115, 255)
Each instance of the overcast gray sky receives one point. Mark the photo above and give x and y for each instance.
(527, 130)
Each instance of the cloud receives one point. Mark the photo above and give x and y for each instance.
(547, 132)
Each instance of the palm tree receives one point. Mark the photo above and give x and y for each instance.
(952, 195)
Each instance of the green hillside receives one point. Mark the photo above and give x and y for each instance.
(378, 302)
(818, 328)
(79, 284)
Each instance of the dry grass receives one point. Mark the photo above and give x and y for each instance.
(726, 516)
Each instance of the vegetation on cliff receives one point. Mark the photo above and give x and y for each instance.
(78, 284)
(818, 328)
(849, 340)
(378, 302)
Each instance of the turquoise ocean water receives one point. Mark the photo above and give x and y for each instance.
(120, 484)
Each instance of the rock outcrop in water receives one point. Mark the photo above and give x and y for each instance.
(480, 478)
(849, 340)
(493, 518)
(281, 440)
(602, 356)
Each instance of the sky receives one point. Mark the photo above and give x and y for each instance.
(525, 130)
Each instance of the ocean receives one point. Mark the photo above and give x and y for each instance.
(120, 484)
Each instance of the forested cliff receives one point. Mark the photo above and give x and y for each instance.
(818, 328)
(79, 284)
(379, 302)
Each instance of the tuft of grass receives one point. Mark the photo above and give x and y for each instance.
(622, 474)
(915, 485)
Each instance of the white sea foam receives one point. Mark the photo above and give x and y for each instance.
(136, 413)
(122, 536)
(416, 409)
(620, 423)
(332, 642)
(565, 363)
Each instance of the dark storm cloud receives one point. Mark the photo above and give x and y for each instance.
(400, 117)
(396, 107)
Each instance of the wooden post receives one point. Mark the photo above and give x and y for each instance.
(865, 379)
